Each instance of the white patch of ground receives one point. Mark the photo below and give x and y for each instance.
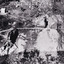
(47, 42)
(21, 45)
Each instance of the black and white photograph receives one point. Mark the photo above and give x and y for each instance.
(31, 31)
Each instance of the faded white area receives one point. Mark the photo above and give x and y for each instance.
(47, 42)
(21, 45)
